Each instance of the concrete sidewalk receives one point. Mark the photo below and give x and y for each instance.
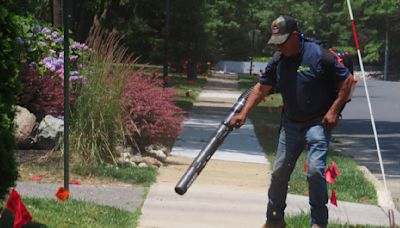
(232, 189)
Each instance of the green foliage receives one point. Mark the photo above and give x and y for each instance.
(221, 29)
(46, 213)
(39, 8)
(132, 175)
(303, 219)
(261, 59)
(9, 86)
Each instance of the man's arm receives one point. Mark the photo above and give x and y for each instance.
(258, 92)
(331, 118)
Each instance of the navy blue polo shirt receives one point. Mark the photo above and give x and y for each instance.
(306, 82)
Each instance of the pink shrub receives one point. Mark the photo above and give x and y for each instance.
(148, 110)
(42, 95)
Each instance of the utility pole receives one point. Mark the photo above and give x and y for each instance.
(66, 17)
(252, 51)
(166, 41)
(385, 72)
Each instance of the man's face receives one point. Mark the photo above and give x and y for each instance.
(292, 45)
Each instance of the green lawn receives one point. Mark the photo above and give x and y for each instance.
(266, 119)
(133, 175)
(72, 213)
(182, 85)
(303, 221)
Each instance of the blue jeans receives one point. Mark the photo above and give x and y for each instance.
(294, 136)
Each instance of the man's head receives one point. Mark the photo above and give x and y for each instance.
(285, 35)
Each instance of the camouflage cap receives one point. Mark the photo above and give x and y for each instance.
(281, 29)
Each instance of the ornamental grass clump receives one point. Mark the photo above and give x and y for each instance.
(96, 119)
(119, 105)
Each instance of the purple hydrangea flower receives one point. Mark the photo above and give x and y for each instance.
(32, 65)
(59, 40)
(52, 52)
(60, 73)
(41, 43)
(46, 30)
(75, 46)
(73, 58)
(77, 79)
(53, 64)
(20, 41)
(36, 28)
(84, 47)
(55, 34)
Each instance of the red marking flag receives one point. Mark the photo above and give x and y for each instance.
(305, 167)
(75, 182)
(333, 198)
(16, 207)
(328, 175)
(36, 178)
(62, 194)
(335, 170)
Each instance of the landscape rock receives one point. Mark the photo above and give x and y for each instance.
(49, 132)
(24, 122)
(152, 161)
(158, 154)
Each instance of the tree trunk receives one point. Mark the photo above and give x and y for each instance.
(56, 13)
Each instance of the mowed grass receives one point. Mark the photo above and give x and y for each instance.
(187, 91)
(144, 176)
(54, 173)
(303, 221)
(350, 185)
(72, 213)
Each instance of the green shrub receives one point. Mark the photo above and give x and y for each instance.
(8, 88)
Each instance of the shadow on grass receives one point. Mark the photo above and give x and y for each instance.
(185, 105)
(303, 219)
(7, 220)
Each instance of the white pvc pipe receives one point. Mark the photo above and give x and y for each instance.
(369, 101)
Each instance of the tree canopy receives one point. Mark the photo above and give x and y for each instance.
(204, 30)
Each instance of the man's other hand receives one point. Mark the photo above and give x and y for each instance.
(330, 119)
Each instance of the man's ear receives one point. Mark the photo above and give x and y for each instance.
(296, 33)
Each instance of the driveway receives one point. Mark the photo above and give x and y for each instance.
(355, 135)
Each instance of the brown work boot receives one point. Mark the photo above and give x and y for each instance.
(316, 226)
(275, 225)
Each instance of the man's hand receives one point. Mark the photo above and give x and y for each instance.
(238, 120)
(330, 119)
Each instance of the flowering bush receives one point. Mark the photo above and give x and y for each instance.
(43, 57)
(148, 110)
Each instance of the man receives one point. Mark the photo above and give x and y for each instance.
(314, 87)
